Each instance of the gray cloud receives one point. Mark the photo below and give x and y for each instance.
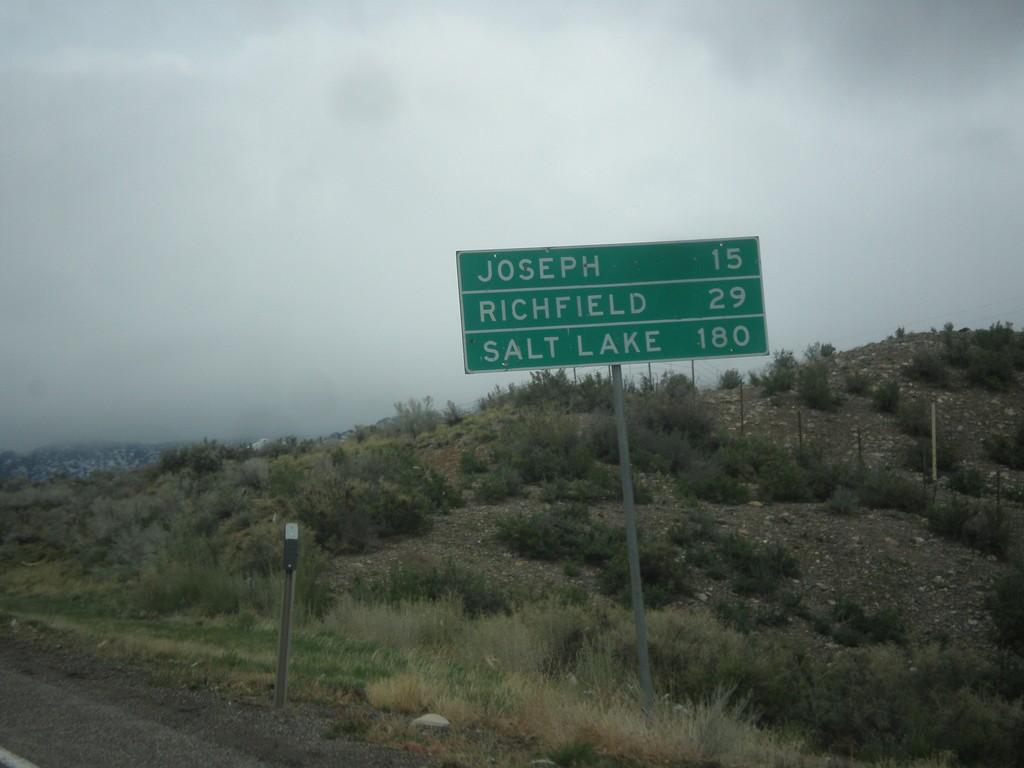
(241, 220)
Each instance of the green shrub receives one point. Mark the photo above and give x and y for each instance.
(662, 571)
(817, 352)
(124, 533)
(566, 532)
(190, 577)
(653, 450)
(957, 345)
(745, 457)
(1008, 451)
(672, 409)
(780, 376)
(985, 527)
(540, 536)
(883, 489)
(668, 430)
(313, 592)
(886, 397)
(755, 568)
(200, 459)
(782, 479)
(431, 583)
(857, 383)
(1007, 609)
(914, 418)
(992, 369)
(553, 390)
(470, 463)
(814, 389)
(822, 475)
(693, 656)
(918, 455)
(708, 483)
(337, 511)
(851, 625)
(950, 520)
(414, 417)
(1001, 338)
(254, 549)
(545, 445)
(252, 474)
(601, 544)
(285, 475)
(730, 379)
(745, 617)
(598, 485)
(693, 528)
(994, 356)
(758, 569)
(452, 414)
(969, 482)
(879, 703)
(844, 501)
(929, 368)
(499, 484)
(576, 754)
(381, 490)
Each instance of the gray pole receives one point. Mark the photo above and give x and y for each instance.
(632, 545)
(284, 645)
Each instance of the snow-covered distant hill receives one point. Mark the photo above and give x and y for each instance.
(77, 460)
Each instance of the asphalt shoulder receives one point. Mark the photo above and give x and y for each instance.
(62, 706)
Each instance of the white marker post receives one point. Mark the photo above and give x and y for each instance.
(284, 647)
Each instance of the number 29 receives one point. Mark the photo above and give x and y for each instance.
(737, 296)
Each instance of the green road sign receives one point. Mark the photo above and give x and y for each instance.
(611, 304)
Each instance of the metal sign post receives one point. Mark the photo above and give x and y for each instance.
(632, 545)
(284, 646)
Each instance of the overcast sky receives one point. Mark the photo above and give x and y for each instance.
(234, 219)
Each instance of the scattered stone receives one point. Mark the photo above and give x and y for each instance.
(432, 721)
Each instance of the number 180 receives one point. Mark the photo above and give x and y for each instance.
(719, 337)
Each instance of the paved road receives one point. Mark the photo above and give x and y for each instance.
(60, 709)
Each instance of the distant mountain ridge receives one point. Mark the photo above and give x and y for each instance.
(78, 460)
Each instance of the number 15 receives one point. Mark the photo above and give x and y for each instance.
(733, 260)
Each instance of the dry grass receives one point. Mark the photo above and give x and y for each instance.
(520, 677)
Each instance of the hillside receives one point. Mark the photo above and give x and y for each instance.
(873, 558)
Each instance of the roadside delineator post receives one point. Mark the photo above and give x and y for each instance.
(291, 557)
